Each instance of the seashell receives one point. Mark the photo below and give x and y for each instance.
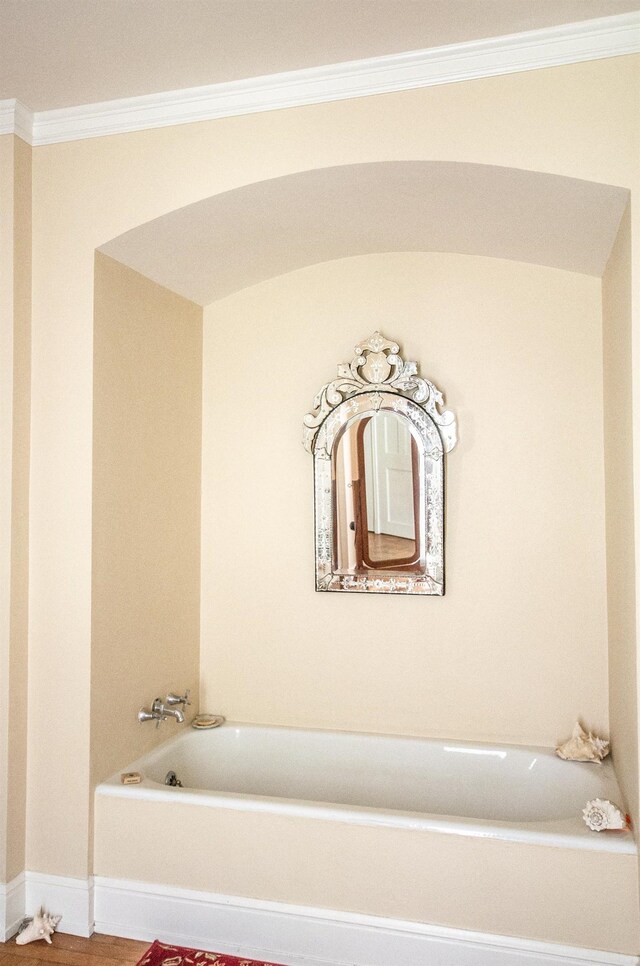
(42, 926)
(600, 814)
(583, 746)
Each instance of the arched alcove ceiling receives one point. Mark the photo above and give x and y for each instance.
(229, 241)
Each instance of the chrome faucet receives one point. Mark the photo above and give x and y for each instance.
(159, 712)
(182, 699)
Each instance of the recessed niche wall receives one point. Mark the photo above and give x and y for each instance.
(519, 349)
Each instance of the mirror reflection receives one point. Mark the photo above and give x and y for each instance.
(376, 486)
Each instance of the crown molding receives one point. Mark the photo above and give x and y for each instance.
(532, 50)
(15, 118)
(7, 117)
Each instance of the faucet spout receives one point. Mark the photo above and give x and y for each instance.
(174, 713)
(159, 712)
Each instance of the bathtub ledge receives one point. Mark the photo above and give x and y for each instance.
(554, 834)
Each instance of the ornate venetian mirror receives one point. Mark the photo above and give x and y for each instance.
(378, 442)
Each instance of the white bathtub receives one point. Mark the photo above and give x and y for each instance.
(287, 835)
(465, 788)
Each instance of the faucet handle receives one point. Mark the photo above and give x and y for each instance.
(179, 699)
(154, 715)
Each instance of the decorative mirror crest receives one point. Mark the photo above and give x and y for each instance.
(378, 365)
(378, 440)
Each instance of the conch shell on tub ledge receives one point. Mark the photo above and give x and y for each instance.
(601, 814)
(583, 746)
(42, 926)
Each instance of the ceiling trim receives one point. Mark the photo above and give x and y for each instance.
(531, 50)
(15, 118)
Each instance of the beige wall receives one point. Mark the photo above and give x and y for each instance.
(17, 705)
(6, 441)
(616, 308)
(580, 120)
(146, 508)
(15, 372)
(517, 350)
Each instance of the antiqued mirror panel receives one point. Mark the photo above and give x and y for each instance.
(378, 440)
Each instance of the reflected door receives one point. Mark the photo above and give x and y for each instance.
(376, 494)
(389, 476)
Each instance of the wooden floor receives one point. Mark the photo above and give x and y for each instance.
(74, 951)
(382, 546)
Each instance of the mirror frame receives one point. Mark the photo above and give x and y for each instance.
(377, 379)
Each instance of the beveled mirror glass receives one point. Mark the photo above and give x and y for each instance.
(378, 441)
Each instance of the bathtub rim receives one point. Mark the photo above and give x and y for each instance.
(557, 833)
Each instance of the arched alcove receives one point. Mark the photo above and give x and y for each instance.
(232, 240)
(243, 242)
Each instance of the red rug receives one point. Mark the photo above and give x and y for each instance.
(159, 954)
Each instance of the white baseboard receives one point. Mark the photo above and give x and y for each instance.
(303, 936)
(63, 896)
(12, 899)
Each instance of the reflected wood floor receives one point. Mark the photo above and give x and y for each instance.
(382, 546)
(74, 951)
